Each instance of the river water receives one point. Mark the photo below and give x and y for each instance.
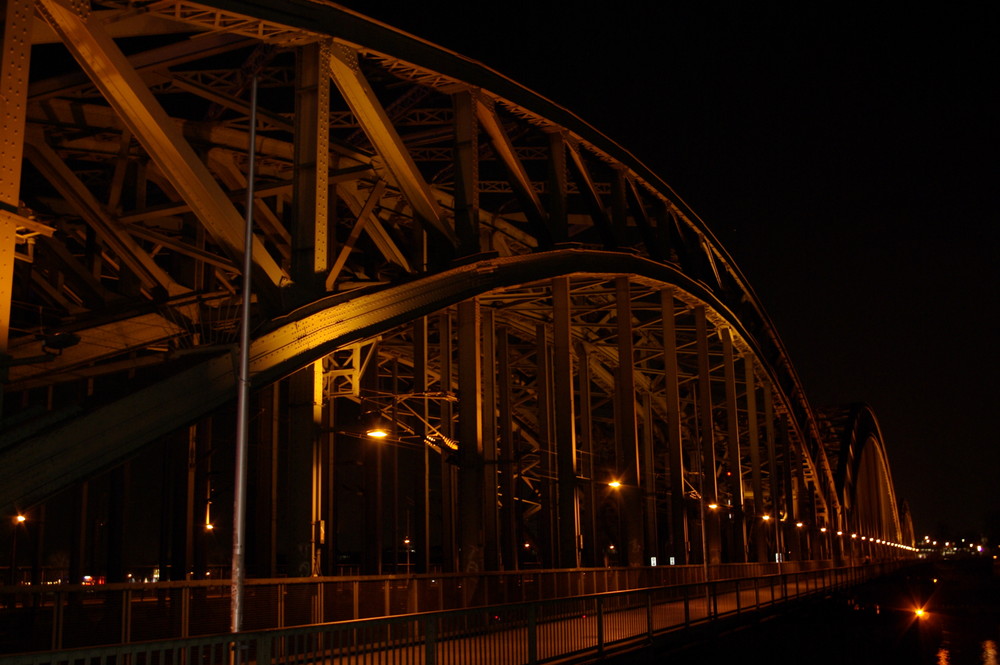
(876, 624)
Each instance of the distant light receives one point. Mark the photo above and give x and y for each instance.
(615, 484)
(765, 517)
(799, 525)
(20, 519)
(854, 535)
(920, 612)
(209, 526)
(822, 529)
(527, 545)
(377, 433)
(713, 506)
(840, 533)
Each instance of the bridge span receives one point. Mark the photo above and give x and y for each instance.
(566, 371)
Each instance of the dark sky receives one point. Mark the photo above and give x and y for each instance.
(846, 159)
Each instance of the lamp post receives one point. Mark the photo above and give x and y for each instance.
(16, 522)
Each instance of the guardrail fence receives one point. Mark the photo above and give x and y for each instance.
(510, 634)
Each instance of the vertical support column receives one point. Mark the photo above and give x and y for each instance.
(558, 188)
(302, 495)
(788, 493)
(547, 517)
(310, 239)
(327, 535)
(758, 526)
(470, 438)
(709, 489)
(420, 537)
(78, 546)
(489, 437)
(733, 445)
(565, 430)
(648, 466)
(510, 535)
(774, 474)
(449, 547)
(466, 172)
(592, 555)
(626, 428)
(678, 513)
(14, 67)
(117, 516)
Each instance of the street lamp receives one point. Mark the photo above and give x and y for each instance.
(18, 520)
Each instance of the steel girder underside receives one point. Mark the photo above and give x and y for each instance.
(396, 181)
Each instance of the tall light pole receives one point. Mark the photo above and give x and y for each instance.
(17, 522)
(243, 393)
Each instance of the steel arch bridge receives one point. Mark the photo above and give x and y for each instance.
(532, 313)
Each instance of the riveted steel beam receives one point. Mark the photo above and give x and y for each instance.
(519, 180)
(311, 241)
(357, 92)
(123, 88)
(733, 443)
(13, 98)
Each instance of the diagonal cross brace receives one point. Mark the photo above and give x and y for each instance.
(158, 133)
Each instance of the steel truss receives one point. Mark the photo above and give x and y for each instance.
(534, 312)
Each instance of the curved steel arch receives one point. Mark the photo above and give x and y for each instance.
(385, 161)
(864, 479)
(94, 442)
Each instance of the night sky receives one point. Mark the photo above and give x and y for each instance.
(846, 159)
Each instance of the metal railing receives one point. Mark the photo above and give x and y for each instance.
(59, 616)
(510, 634)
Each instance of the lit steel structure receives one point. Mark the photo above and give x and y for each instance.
(529, 310)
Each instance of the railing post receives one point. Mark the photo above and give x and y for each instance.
(533, 632)
(600, 627)
(687, 606)
(185, 611)
(58, 615)
(430, 641)
(649, 614)
(126, 600)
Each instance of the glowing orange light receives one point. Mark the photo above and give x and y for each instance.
(920, 612)
(615, 484)
(20, 519)
(765, 517)
(378, 433)
(713, 506)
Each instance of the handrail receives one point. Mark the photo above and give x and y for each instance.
(514, 633)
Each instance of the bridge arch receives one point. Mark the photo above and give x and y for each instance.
(864, 480)
(418, 212)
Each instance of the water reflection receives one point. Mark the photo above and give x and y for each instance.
(952, 652)
(989, 652)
